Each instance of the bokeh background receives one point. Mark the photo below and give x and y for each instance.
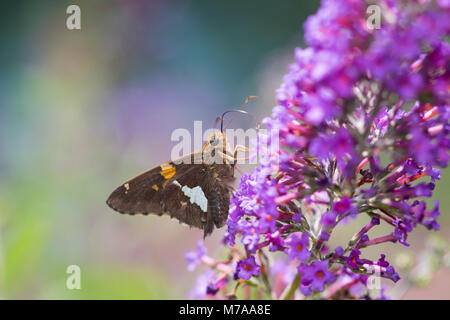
(83, 110)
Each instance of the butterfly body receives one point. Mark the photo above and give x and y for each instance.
(194, 189)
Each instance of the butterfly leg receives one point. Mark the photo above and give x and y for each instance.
(236, 150)
(239, 170)
(234, 159)
(231, 160)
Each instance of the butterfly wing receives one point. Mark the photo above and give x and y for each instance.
(138, 195)
(143, 194)
(195, 194)
(184, 197)
(200, 197)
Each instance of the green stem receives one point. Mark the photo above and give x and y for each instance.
(294, 286)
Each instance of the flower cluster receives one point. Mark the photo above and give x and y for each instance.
(363, 125)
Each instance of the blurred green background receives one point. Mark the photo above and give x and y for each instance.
(83, 110)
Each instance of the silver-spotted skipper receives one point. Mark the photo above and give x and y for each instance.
(195, 189)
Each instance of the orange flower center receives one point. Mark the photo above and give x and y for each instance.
(247, 267)
(299, 247)
(320, 274)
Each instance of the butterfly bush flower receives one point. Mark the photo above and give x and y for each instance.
(315, 276)
(194, 257)
(298, 245)
(363, 126)
(247, 268)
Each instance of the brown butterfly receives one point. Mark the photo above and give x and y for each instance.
(195, 189)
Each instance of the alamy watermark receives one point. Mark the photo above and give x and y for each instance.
(73, 21)
(374, 280)
(73, 281)
(374, 17)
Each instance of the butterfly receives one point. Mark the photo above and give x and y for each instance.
(194, 189)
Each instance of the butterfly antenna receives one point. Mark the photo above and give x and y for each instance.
(236, 111)
(242, 106)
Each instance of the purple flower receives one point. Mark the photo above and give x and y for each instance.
(339, 251)
(328, 219)
(316, 275)
(339, 144)
(250, 234)
(247, 268)
(194, 257)
(362, 120)
(298, 246)
(429, 218)
(344, 206)
(421, 146)
(213, 288)
(435, 174)
(199, 291)
(305, 290)
(297, 217)
(324, 236)
(230, 235)
(343, 144)
(276, 241)
(391, 274)
(353, 260)
(267, 223)
(408, 85)
(382, 262)
(364, 238)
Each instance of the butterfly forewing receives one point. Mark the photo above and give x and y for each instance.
(143, 193)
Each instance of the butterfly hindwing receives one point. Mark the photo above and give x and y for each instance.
(185, 197)
(200, 196)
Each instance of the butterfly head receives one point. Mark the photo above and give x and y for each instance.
(216, 147)
(216, 142)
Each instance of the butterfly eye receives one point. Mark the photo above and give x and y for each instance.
(213, 141)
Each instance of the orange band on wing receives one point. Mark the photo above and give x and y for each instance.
(168, 172)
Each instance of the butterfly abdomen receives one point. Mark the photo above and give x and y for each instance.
(218, 205)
